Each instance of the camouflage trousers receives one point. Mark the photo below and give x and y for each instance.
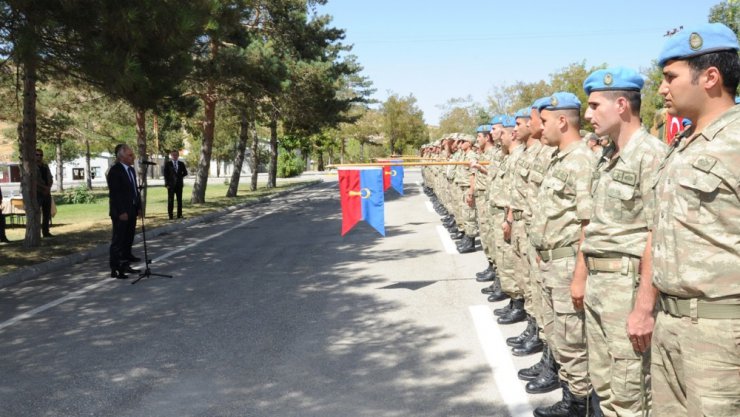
(537, 288)
(488, 237)
(484, 221)
(520, 247)
(567, 335)
(467, 214)
(504, 254)
(695, 367)
(619, 375)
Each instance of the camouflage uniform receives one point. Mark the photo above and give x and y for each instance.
(565, 203)
(536, 175)
(488, 238)
(481, 204)
(498, 200)
(520, 204)
(467, 218)
(615, 239)
(514, 201)
(696, 266)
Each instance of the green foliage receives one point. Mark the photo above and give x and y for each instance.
(727, 12)
(79, 195)
(403, 123)
(289, 164)
(462, 115)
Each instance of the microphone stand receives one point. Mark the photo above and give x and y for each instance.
(147, 271)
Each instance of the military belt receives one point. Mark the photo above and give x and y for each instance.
(682, 307)
(553, 254)
(624, 264)
(517, 214)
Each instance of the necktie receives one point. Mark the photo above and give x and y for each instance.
(132, 178)
(175, 163)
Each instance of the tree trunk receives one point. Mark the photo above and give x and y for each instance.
(141, 150)
(60, 166)
(255, 159)
(272, 174)
(218, 168)
(87, 164)
(342, 150)
(241, 149)
(198, 195)
(321, 161)
(29, 169)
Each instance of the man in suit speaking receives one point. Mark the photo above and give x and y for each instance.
(174, 172)
(125, 206)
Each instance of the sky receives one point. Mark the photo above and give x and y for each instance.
(438, 50)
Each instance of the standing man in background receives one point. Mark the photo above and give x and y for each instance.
(174, 172)
(43, 192)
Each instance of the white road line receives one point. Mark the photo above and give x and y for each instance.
(80, 292)
(446, 240)
(430, 207)
(499, 359)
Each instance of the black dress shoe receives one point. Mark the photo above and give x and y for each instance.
(133, 258)
(118, 274)
(128, 268)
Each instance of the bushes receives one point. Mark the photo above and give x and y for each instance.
(79, 195)
(289, 164)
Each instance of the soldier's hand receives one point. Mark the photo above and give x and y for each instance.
(640, 325)
(577, 291)
(507, 231)
(123, 217)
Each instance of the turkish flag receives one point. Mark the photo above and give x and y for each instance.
(673, 126)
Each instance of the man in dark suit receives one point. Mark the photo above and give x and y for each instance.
(174, 172)
(125, 206)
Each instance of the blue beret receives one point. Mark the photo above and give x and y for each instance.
(737, 100)
(540, 101)
(509, 121)
(523, 112)
(686, 122)
(615, 78)
(497, 119)
(561, 101)
(698, 40)
(483, 129)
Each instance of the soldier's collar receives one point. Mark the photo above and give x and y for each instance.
(729, 116)
(568, 149)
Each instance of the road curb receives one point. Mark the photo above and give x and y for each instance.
(30, 272)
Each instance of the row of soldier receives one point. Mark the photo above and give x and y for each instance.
(626, 263)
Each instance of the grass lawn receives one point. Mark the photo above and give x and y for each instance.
(80, 227)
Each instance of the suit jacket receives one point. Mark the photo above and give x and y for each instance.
(123, 196)
(172, 178)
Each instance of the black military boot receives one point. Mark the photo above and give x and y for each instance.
(489, 289)
(516, 314)
(547, 380)
(531, 345)
(559, 409)
(486, 271)
(457, 234)
(581, 407)
(490, 276)
(467, 244)
(529, 374)
(504, 310)
(451, 227)
(498, 294)
(517, 341)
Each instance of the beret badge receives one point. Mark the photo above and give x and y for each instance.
(695, 41)
(608, 79)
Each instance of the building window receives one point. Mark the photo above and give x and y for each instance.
(78, 173)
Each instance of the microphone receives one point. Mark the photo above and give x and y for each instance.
(143, 162)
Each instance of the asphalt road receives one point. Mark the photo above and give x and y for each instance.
(270, 313)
